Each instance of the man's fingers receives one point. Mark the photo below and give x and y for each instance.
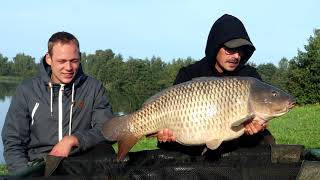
(251, 129)
(247, 127)
(256, 127)
(165, 135)
(162, 137)
(165, 132)
(265, 126)
(169, 135)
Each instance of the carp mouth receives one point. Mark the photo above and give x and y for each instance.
(284, 110)
(291, 105)
(276, 112)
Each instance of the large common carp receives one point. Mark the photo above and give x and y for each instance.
(206, 110)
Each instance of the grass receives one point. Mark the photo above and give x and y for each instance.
(299, 126)
(3, 170)
(143, 144)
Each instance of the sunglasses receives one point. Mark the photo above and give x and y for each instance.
(231, 51)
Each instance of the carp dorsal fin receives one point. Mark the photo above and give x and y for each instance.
(241, 121)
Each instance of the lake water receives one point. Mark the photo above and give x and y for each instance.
(4, 106)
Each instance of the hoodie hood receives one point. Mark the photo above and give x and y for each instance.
(227, 28)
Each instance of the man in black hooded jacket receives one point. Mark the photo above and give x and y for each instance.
(228, 49)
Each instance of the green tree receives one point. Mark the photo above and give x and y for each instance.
(303, 74)
(280, 77)
(7, 89)
(173, 68)
(267, 71)
(93, 63)
(156, 80)
(113, 71)
(4, 66)
(24, 65)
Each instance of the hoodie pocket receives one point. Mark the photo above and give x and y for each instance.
(33, 112)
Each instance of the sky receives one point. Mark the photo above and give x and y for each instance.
(165, 28)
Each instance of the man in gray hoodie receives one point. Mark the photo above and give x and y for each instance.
(59, 111)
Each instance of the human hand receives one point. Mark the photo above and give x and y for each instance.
(166, 135)
(63, 148)
(254, 126)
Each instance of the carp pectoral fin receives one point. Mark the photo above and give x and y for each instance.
(241, 121)
(125, 143)
(213, 144)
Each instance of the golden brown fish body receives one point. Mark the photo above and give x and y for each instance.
(202, 111)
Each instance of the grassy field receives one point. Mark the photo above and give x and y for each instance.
(299, 126)
(3, 170)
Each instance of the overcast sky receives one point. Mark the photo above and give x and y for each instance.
(164, 28)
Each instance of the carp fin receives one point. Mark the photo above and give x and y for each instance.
(125, 143)
(114, 128)
(117, 129)
(213, 144)
(241, 121)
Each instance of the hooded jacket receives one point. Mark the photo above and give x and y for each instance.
(41, 113)
(226, 28)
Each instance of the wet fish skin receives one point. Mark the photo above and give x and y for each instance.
(202, 111)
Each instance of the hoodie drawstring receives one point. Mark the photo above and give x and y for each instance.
(60, 119)
(51, 97)
(71, 106)
(60, 111)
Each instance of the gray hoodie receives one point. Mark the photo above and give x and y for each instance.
(39, 116)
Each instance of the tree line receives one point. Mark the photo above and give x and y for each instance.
(130, 82)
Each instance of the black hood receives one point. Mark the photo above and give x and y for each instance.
(227, 28)
(45, 74)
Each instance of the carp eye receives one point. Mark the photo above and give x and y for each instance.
(274, 93)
